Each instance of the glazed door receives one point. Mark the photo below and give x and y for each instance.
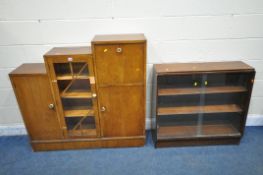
(122, 111)
(74, 86)
(225, 103)
(179, 102)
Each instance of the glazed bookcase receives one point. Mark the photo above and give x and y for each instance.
(201, 103)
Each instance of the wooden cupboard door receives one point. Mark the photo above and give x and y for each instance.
(34, 97)
(122, 111)
(120, 63)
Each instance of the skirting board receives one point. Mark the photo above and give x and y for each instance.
(19, 129)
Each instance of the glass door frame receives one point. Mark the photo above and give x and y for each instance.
(55, 90)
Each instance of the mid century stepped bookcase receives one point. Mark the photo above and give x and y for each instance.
(200, 103)
(85, 97)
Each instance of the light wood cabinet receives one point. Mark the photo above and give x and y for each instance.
(120, 74)
(90, 98)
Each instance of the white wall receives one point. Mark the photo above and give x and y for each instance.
(177, 31)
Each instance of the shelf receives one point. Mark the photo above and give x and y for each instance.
(199, 109)
(194, 91)
(81, 133)
(79, 113)
(77, 94)
(70, 77)
(209, 130)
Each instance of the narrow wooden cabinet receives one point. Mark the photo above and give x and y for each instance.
(31, 86)
(200, 103)
(120, 62)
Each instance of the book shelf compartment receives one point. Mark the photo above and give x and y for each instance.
(73, 80)
(201, 105)
(192, 126)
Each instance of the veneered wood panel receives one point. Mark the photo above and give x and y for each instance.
(113, 67)
(202, 67)
(29, 69)
(124, 113)
(111, 142)
(34, 95)
(67, 51)
(119, 38)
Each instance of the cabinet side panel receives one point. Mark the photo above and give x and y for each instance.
(34, 95)
(154, 106)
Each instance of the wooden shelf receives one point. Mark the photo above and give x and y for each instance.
(191, 131)
(82, 132)
(78, 113)
(194, 91)
(70, 77)
(77, 94)
(199, 109)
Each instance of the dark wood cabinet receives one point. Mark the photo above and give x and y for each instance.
(86, 98)
(200, 103)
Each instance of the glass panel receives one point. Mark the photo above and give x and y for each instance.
(75, 91)
(79, 123)
(76, 85)
(62, 69)
(227, 79)
(179, 94)
(177, 126)
(81, 126)
(222, 124)
(80, 69)
(201, 105)
(224, 100)
(179, 81)
(76, 104)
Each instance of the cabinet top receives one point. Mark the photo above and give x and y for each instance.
(118, 38)
(85, 50)
(202, 67)
(29, 69)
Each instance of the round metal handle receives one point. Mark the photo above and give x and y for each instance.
(119, 50)
(206, 83)
(51, 106)
(102, 109)
(94, 95)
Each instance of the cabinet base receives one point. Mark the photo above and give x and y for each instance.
(197, 142)
(88, 143)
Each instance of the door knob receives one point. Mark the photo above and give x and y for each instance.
(51, 106)
(94, 95)
(119, 50)
(102, 109)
